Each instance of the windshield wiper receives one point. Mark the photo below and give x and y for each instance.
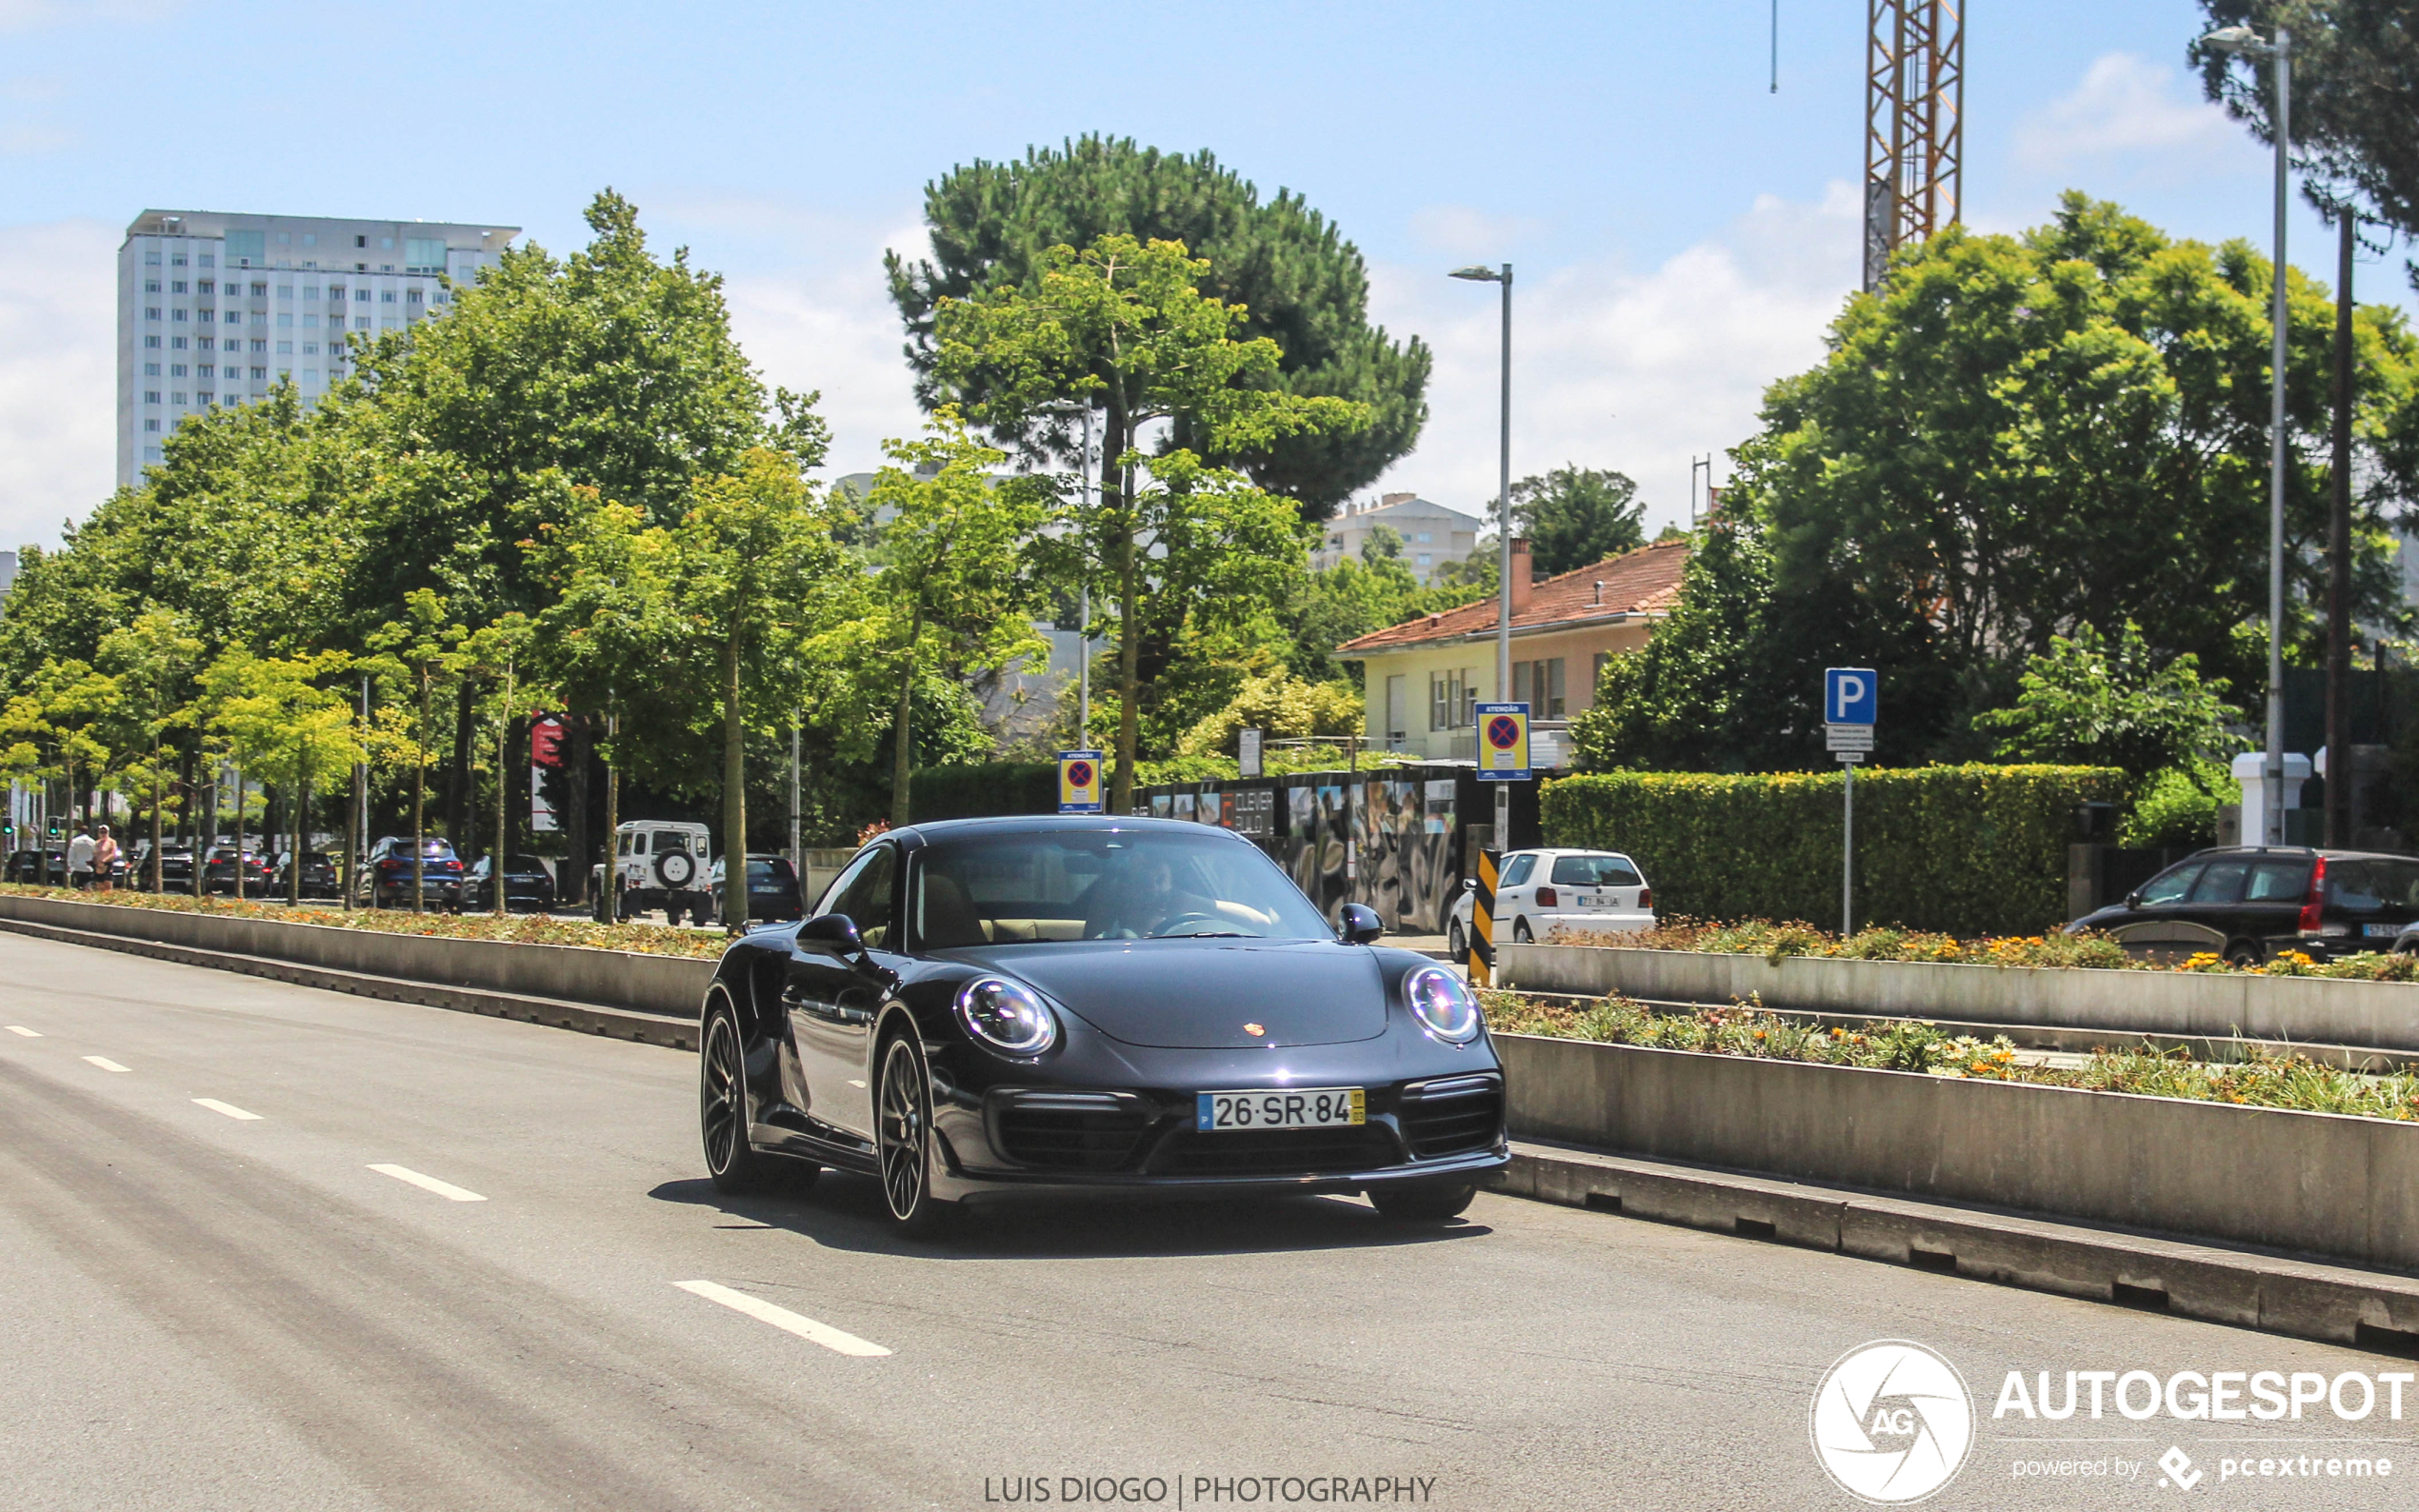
(1204, 934)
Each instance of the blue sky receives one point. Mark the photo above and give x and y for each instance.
(1682, 235)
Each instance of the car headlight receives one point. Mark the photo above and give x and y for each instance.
(1007, 1016)
(1442, 1004)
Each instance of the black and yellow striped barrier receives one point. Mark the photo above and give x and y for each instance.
(1482, 923)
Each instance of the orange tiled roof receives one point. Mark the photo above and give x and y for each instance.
(1646, 581)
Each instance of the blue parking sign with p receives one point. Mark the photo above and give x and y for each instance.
(1851, 695)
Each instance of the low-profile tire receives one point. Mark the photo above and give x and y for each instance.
(903, 1140)
(732, 1162)
(1423, 1201)
(1456, 942)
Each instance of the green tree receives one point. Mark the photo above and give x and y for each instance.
(729, 607)
(2355, 95)
(1281, 265)
(2091, 701)
(2020, 436)
(955, 588)
(152, 662)
(1172, 542)
(281, 725)
(1575, 516)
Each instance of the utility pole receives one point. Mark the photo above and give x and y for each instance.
(2339, 767)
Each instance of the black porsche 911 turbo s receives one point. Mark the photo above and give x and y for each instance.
(986, 1008)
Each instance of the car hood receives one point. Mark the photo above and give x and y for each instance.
(1200, 994)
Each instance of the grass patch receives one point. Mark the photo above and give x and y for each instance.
(644, 939)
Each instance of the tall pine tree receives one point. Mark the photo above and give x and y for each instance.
(1301, 283)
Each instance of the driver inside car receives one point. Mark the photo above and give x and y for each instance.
(1142, 900)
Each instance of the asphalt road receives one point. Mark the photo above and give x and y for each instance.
(303, 1308)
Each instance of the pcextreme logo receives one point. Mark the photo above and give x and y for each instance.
(1892, 1422)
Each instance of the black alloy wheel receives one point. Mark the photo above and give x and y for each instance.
(1423, 1201)
(903, 1137)
(722, 1110)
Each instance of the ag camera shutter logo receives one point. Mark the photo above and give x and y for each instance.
(1892, 1422)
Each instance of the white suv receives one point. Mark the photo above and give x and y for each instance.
(1539, 892)
(658, 864)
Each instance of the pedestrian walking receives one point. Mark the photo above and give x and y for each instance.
(80, 860)
(105, 859)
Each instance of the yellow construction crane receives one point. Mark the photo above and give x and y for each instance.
(1914, 114)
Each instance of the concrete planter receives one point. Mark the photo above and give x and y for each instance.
(2313, 1010)
(2317, 1183)
(670, 985)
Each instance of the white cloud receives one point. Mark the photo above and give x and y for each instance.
(836, 330)
(1614, 367)
(26, 15)
(58, 380)
(1461, 232)
(2124, 104)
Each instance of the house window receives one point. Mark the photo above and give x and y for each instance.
(1469, 719)
(1425, 537)
(1444, 699)
(1539, 685)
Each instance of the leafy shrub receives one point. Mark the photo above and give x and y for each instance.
(978, 790)
(2178, 806)
(645, 939)
(1964, 850)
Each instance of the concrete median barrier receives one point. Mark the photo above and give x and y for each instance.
(670, 986)
(2315, 1183)
(2316, 1010)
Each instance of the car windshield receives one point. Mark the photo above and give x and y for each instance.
(2373, 885)
(767, 870)
(526, 866)
(1594, 871)
(1104, 884)
(669, 840)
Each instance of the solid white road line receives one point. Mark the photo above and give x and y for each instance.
(228, 1108)
(444, 1189)
(104, 1062)
(19, 1028)
(763, 1311)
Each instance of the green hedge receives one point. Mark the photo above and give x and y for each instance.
(1966, 851)
(980, 790)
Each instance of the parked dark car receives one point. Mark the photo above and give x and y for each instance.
(2247, 903)
(528, 888)
(320, 878)
(984, 1009)
(772, 890)
(218, 871)
(385, 875)
(176, 868)
(26, 867)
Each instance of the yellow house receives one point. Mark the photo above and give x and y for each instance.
(1423, 679)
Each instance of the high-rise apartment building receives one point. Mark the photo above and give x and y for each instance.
(213, 308)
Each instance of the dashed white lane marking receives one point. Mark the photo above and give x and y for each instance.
(104, 1062)
(19, 1028)
(444, 1189)
(782, 1318)
(228, 1108)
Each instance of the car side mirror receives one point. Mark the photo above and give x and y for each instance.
(835, 932)
(1360, 924)
(1470, 885)
(2134, 899)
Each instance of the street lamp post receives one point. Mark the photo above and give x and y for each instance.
(2244, 43)
(1504, 534)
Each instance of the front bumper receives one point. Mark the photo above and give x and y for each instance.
(1014, 1142)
